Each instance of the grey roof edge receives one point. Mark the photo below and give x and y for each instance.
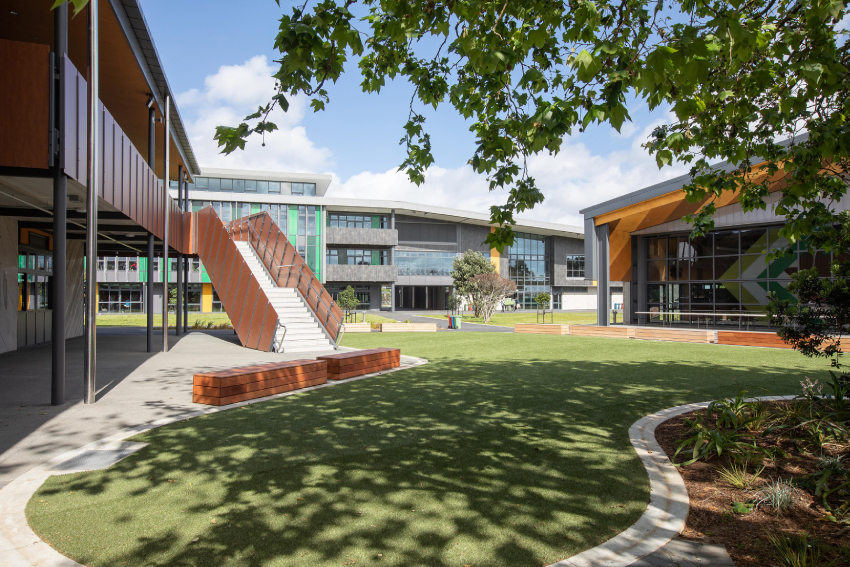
(664, 187)
(155, 77)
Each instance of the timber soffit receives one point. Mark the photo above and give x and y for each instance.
(135, 27)
(663, 188)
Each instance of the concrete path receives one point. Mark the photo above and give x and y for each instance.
(442, 322)
(134, 387)
(686, 553)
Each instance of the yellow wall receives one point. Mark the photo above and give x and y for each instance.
(494, 254)
(206, 298)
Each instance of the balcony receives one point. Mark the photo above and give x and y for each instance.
(362, 236)
(361, 273)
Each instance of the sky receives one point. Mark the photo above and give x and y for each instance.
(219, 58)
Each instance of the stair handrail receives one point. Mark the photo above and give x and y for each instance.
(329, 308)
(280, 342)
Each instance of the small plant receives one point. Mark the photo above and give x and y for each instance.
(408, 321)
(831, 462)
(743, 507)
(737, 475)
(708, 443)
(734, 413)
(796, 551)
(778, 494)
(542, 300)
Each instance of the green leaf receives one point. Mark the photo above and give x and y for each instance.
(742, 507)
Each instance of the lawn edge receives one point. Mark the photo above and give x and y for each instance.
(667, 511)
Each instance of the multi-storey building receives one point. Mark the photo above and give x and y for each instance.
(396, 255)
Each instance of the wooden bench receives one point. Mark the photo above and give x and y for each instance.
(357, 363)
(358, 327)
(250, 382)
(769, 340)
(408, 327)
(537, 329)
(674, 335)
(597, 331)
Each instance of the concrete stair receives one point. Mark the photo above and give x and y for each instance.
(303, 333)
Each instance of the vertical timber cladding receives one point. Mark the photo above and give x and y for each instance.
(24, 97)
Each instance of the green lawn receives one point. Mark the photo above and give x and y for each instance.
(511, 319)
(505, 450)
(141, 320)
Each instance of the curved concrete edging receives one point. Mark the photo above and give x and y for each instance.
(21, 547)
(667, 511)
(663, 519)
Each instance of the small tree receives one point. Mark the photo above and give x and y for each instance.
(465, 268)
(347, 300)
(488, 291)
(452, 302)
(815, 322)
(542, 300)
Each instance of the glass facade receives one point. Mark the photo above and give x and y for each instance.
(215, 184)
(724, 273)
(528, 266)
(426, 263)
(363, 292)
(356, 257)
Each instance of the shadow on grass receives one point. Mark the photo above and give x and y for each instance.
(458, 462)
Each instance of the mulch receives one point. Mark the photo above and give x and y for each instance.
(711, 519)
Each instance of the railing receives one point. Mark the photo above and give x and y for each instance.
(279, 344)
(311, 289)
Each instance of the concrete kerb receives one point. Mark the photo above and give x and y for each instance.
(663, 519)
(668, 507)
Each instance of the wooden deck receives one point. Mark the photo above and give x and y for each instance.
(250, 382)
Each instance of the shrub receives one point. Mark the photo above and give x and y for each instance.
(778, 494)
(796, 551)
(737, 475)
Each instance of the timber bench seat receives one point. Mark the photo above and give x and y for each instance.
(768, 340)
(250, 382)
(538, 329)
(408, 327)
(359, 362)
(674, 335)
(598, 331)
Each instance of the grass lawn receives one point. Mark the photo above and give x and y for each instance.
(511, 319)
(141, 319)
(505, 450)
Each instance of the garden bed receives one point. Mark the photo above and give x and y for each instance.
(713, 518)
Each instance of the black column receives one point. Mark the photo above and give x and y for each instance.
(186, 261)
(149, 292)
(60, 213)
(178, 308)
(151, 163)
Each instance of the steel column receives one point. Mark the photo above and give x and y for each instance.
(187, 209)
(149, 292)
(178, 308)
(60, 213)
(166, 122)
(603, 296)
(90, 360)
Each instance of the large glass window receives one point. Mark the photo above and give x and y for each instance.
(575, 266)
(120, 298)
(357, 221)
(528, 266)
(722, 274)
(363, 292)
(35, 278)
(356, 257)
(305, 189)
(426, 263)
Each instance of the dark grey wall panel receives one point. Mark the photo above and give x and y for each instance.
(420, 229)
(472, 236)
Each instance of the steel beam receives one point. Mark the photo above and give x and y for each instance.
(60, 197)
(90, 360)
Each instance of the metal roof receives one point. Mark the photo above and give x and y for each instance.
(132, 20)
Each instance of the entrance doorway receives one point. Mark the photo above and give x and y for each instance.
(422, 297)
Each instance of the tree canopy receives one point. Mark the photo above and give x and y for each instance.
(738, 75)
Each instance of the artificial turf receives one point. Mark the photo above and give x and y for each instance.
(504, 450)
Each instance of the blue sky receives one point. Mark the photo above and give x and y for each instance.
(218, 58)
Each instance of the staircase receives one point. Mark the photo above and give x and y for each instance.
(301, 331)
(271, 295)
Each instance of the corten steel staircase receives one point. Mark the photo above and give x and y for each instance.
(274, 300)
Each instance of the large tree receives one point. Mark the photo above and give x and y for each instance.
(738, 75)
(465, 267)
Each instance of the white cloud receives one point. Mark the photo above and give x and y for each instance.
(575, 178)
(234, 92)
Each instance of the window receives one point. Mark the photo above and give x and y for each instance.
(363, 292)
(120, 298)
(528, 266)
(239, 186)
(250, 186)
(35, 275)
(227, 185)
(575, 266)
(193, 299)
(426, 263)
(305, 189)
(357, 221)
(356, 257)
(274, 187)
(216, 303)
(201, 184)
(214, 184)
